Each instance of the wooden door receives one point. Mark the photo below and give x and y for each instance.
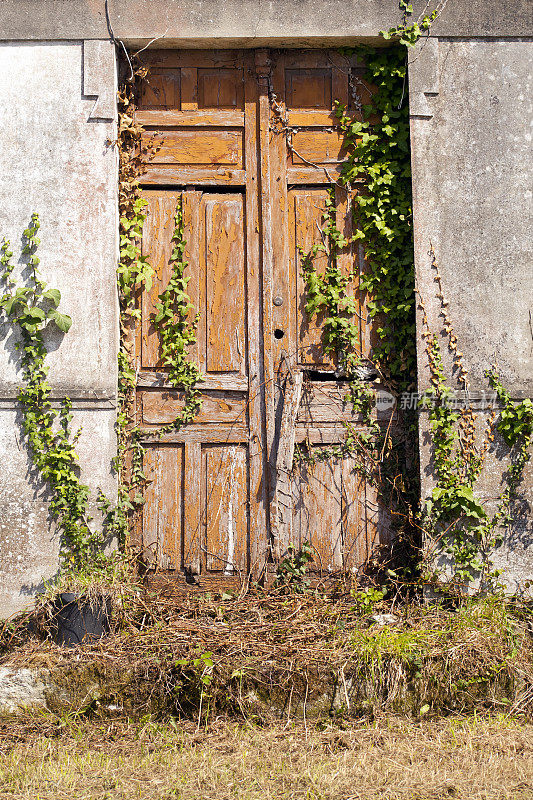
(247, 145)
(324, 502)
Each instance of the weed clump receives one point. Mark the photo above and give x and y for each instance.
(276, 654)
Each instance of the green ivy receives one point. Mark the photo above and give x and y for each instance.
(176, 332)
(453, 515)
(327, 295)
(32, 307)
(292, 570)
(378, 166)
(516, 419)
(134, 269)
(134, 273)
(378, 176)
(409, 34)
(515, 424)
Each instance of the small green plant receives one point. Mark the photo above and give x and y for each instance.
(408, 35)
(202, 665)
(292, 570)
(515, 424)
(197, 674)
(516, 419)
(366, 599)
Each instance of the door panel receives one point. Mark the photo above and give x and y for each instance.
(216, 255)
(320, 147)
(162, 90)
(306, 211)
(308, 88)
(220, 88)
(226, 493)
(161, 408)
(247, 142)
(194, 147)
(223, 289)
(163, 507)
(157, 235)
(317, 492)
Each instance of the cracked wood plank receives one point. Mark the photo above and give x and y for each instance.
(283, 502)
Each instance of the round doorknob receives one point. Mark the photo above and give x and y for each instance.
(278, 301)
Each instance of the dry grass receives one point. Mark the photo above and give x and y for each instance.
(290, 650)
(476, 655)
(391, 759)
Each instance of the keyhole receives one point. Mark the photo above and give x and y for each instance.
(279, 334)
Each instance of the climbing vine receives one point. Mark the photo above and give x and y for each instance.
(454, 518)
(32, 307)
(327, 295)
(377, 178)
(515, 425)
(171, 319)
(377, 173)
(176, 330)
(134, 269)
(134, 272)
(378, 165)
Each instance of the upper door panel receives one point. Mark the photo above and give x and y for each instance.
(192, 105)
(307, 86)
(215, 251)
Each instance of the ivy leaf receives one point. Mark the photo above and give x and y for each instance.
(34, 314)
(63, 321)
(7, 304)
(54, 295)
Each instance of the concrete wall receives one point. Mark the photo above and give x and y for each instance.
(57, 102)
(472, 182)
(471, 110)
(201, 22)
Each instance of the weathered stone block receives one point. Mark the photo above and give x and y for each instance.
(59, 163)
(472, 184)
(29, 544)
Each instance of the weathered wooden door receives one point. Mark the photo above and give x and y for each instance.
(247, 144)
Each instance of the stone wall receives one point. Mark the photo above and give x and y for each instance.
(56, 159)
(471, 107)
(204, 23)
